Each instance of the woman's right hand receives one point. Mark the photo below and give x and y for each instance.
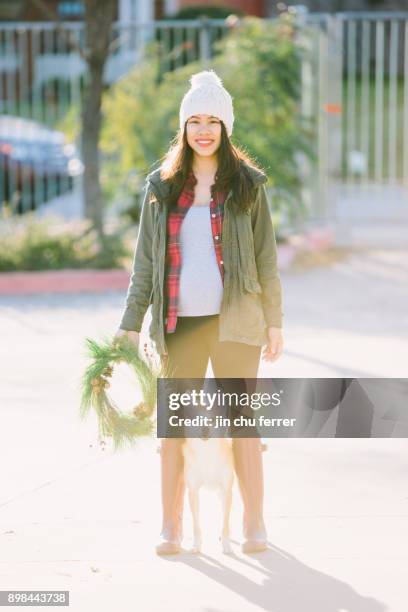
(132, 336)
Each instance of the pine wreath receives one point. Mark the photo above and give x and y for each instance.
(123, 428)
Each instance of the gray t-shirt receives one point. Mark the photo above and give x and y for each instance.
(201, 287)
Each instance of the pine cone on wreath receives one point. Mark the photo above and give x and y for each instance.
(141, 410)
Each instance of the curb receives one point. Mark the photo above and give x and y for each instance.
(63, 281)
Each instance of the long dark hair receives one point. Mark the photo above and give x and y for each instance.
(231, 173)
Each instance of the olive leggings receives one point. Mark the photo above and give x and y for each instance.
(194, 342)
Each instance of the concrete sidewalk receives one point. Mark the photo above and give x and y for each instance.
(336, 512)
(78, 518)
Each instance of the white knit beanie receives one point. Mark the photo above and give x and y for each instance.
(207, 96)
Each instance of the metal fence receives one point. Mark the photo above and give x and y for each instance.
(354, 88)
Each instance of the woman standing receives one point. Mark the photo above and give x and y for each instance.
(206, 260)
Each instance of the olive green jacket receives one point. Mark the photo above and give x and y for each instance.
(252, 291)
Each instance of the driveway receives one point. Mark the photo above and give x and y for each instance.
(75, 517)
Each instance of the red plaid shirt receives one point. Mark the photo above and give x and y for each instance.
(173, 251)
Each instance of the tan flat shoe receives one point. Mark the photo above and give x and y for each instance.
(254, 546)
(168, 547)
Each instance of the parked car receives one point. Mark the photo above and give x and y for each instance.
(36, 163)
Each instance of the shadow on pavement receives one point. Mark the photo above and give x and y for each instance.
(288, 584)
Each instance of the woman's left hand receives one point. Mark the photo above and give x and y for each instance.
(273, 349)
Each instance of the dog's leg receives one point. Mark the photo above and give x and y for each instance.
(226, 500)
(193, 494)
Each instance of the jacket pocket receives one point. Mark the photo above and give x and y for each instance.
(250, 311)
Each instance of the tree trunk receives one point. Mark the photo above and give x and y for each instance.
(99, 17)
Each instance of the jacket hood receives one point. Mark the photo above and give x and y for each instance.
(161, 188)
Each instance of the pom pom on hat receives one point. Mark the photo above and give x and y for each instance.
(207, 96)
(206, 77)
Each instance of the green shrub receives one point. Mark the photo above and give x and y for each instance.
(30, 243)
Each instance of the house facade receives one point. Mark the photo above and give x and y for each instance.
(258, 8)
(126, 11)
